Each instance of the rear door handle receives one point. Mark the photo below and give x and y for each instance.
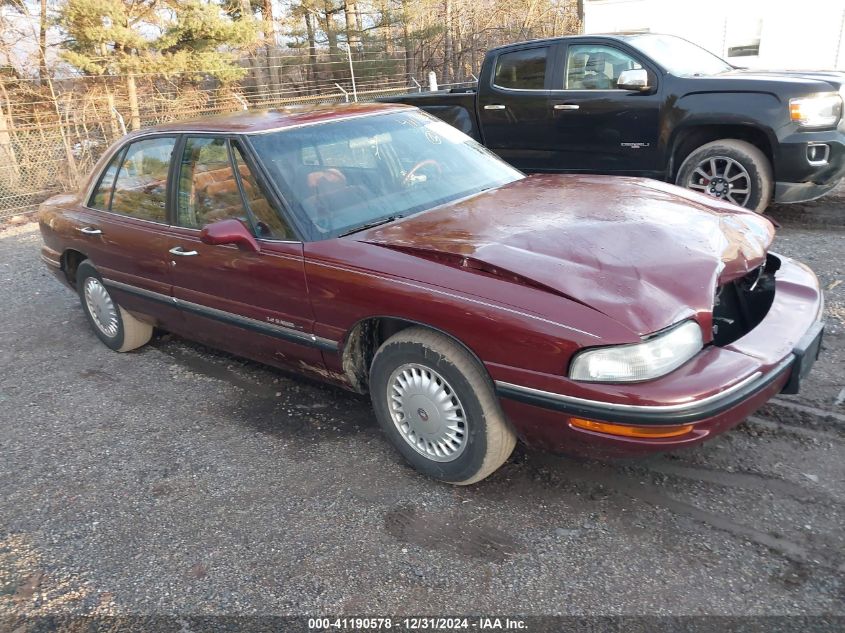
(566, 106)
(178, 250)
(90, 230)
(495, 106)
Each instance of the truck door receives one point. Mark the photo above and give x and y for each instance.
(594, 125)
(513, 106)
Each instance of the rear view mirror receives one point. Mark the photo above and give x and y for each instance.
(229, 231)
(636, 79)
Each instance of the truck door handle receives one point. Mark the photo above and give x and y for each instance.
(566, 106)
(178, 250)
(90, 230)
(495, 106)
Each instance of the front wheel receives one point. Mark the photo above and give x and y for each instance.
(113, 325)
(732, 170)
(437, 406)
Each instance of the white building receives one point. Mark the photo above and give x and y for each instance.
(774, 34)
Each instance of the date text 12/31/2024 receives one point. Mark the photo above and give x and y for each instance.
(417, 624)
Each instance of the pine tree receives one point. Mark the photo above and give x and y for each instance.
(128, 38)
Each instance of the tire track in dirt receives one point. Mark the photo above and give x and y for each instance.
(619, 480)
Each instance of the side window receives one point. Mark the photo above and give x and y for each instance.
(267, 220)
(522, 70)
(101, 198)
(595, 67)
(140, 190)
(208, 190)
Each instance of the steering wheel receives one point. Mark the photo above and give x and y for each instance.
(428, 162)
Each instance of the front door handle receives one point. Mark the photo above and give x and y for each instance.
(495, 106)
(178, 250)
(566, 106)
(90, 230)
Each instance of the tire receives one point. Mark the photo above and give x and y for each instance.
(483, 440)
(122, 334)
(757, 167)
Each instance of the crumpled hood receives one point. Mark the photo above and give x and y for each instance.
(642, 252)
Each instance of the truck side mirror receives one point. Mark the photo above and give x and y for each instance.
(636, 79)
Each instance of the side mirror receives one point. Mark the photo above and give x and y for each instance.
(636, 79)
(229, 231)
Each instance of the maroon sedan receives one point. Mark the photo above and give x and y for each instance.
(382, 250)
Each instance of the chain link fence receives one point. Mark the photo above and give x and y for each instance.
(53, 132)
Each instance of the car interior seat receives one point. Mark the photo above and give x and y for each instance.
(328, 193)
(595, 76)
(576, 71)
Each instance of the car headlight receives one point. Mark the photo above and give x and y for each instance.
(652, 358)
(821, 110)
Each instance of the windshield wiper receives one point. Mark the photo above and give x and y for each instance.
(370, 225)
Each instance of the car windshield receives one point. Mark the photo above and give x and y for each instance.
(678, 56)
(344, 175)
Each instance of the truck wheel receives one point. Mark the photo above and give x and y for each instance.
(437, 406)
(113, 325)
(731, 170)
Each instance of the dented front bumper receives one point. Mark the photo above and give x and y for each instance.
(711, 393)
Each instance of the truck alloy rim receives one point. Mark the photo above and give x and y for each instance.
(427, 412)
(722, 177)
(101, 307)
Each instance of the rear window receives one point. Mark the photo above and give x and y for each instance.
(522, 70)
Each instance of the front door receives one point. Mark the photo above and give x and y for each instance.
(595, 126)
(513, 107)
(253, 304)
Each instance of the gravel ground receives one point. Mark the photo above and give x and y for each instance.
(178, 480)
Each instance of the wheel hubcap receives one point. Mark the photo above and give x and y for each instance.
(722, 177)
(427, 412)
(101, 307)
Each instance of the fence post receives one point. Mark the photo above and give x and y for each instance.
(345, 94)
(119, 117)
(432, 81)
(351, 70)
(113, 114)
(7, 150)
(241, 100)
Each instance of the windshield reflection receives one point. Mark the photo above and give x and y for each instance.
(342, 175)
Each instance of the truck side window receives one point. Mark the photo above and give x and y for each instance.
(595, 67)
(521, 70)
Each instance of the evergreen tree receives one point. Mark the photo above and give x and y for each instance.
(137, 37)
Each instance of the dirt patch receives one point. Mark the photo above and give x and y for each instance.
(450, 531)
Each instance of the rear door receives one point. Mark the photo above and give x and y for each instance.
(513, 106)
(123, 227)
(252, 304)
(594, 126)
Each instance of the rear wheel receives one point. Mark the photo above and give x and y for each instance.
(731, 170)
(437, 406)
(112, 324)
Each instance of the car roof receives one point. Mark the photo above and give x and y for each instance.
(620, 36)
(254, 121)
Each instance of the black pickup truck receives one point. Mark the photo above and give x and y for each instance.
(657, 106)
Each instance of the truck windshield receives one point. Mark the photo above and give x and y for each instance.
(345, 175)
(678, 56)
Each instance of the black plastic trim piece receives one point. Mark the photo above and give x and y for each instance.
(632, 414)
(285, 334)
